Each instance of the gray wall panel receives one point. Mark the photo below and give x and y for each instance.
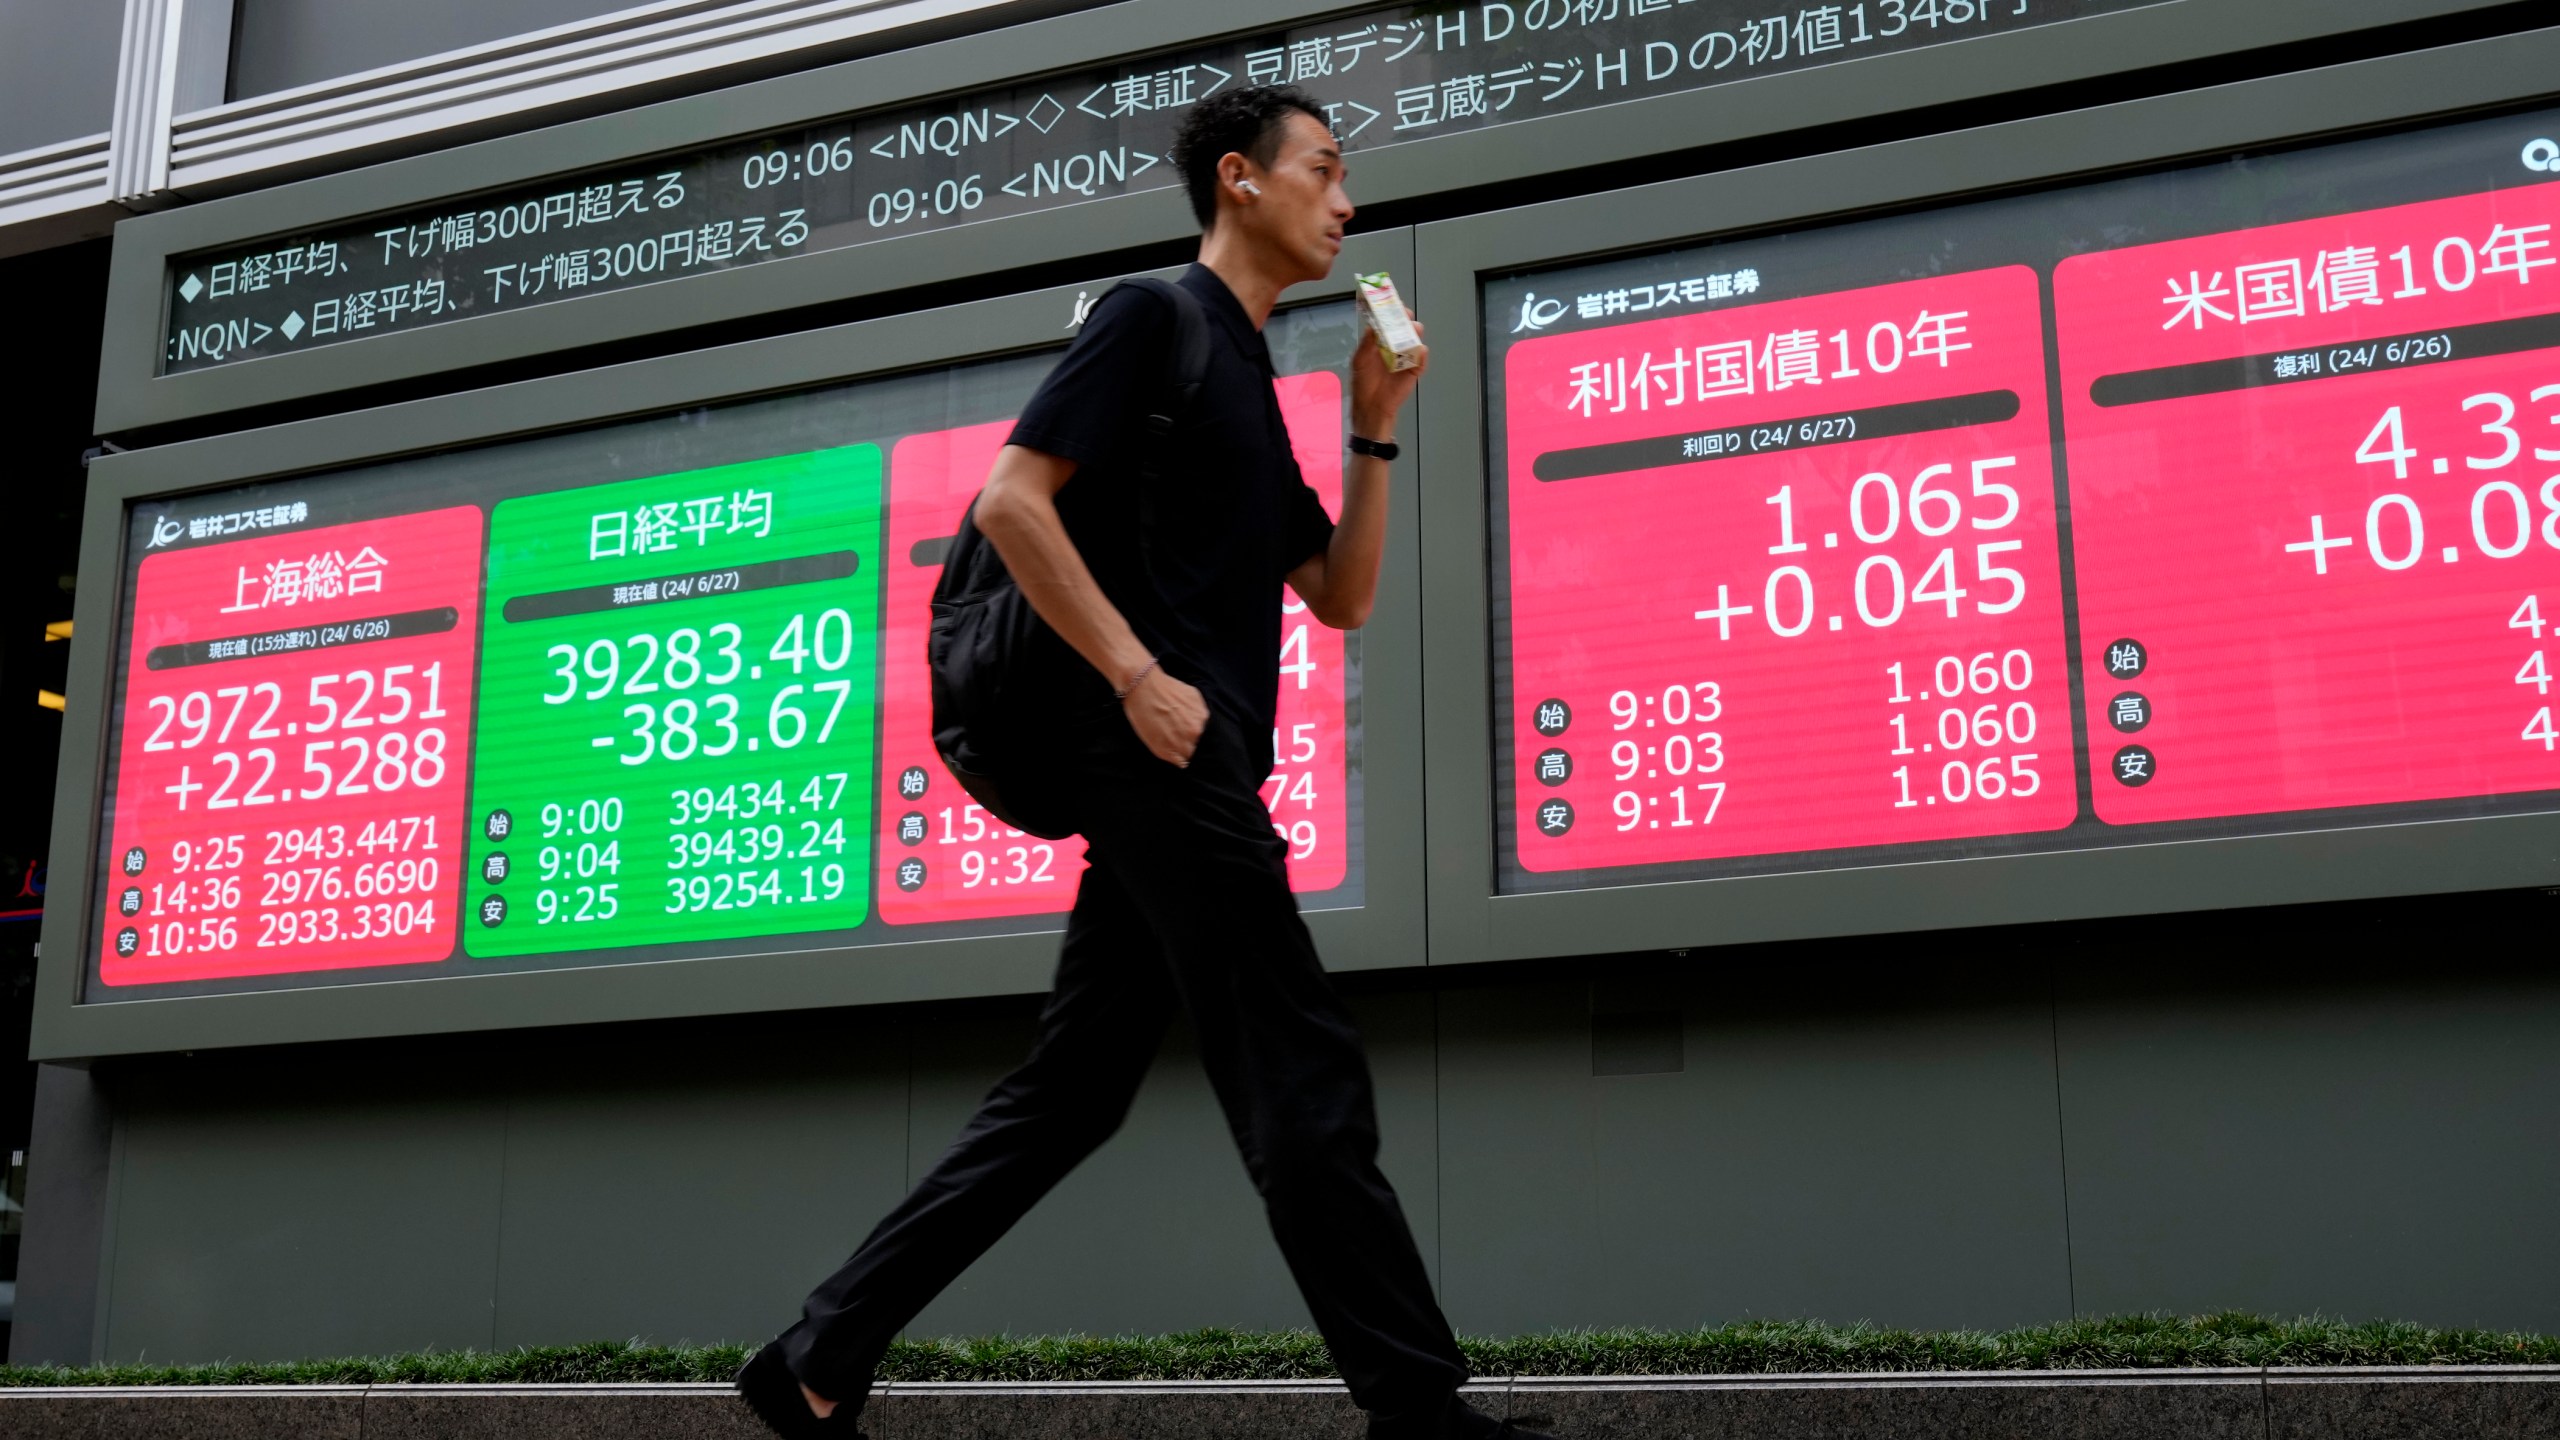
(262, 1223)
(675, 1186)
(1161, 1228)
(697, 1204)
(1516, 1236)
(1877, 1161)
(55, 1311)
(57, 70)
(2374, 1152)
(1183, 1245)
(280, 44)
(1402, 1032)
(1837, 1145)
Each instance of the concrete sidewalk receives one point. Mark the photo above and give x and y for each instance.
(2456, 1403)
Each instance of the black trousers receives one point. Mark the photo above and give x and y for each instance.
(1185, 901)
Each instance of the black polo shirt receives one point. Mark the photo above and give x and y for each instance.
(1198, 569)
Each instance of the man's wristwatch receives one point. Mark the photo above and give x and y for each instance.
(1382, 449)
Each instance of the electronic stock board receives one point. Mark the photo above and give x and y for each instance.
(635, 693)
(2056, 531)
(1039, 142)
(2205, 504)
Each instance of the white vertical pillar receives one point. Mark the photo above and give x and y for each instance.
(175, 57)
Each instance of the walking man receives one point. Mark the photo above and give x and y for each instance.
(1162, 735)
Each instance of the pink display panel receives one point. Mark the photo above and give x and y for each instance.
(291, 777)
(1309, 791)
(2316, 520)
(1784, 577)
(943, 858)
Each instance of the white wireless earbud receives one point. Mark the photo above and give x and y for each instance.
(1248, 187)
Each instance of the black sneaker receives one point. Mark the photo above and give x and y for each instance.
(1466, 1422)
(1460, 1421)
(773, 1392)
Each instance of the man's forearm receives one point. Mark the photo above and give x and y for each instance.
(1359, 545)
(1341, 586)
(1021, 521)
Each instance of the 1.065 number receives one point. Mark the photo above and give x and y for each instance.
(1881, 590)
(2000, 777)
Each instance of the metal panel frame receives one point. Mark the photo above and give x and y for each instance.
(518, 81)
(132, 394)
(1386, 930)
(1470, 923)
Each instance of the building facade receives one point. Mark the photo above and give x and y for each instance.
(1957, 731)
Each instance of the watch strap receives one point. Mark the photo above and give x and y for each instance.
(1382, 449)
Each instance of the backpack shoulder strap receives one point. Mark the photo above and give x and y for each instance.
(1186, 368)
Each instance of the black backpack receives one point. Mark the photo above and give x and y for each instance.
(986, 647)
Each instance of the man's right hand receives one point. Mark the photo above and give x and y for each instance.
(1018, 514)
(1168, 716)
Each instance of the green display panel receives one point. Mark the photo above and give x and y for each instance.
(680, 677)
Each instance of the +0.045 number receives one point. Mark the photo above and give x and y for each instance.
(1877, 507)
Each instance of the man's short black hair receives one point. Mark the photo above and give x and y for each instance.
(1248, 122)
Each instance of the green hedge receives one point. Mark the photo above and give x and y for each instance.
(1756, 1347)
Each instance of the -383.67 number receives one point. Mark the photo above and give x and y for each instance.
(682, 727)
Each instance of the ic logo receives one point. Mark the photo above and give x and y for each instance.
(2543, 155)
(1537, 314)
(1082, 308)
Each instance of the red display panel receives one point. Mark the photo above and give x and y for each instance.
(2316, 526)
(289, 790)
(1309, 791)
(942, 857)
(1784, 577)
